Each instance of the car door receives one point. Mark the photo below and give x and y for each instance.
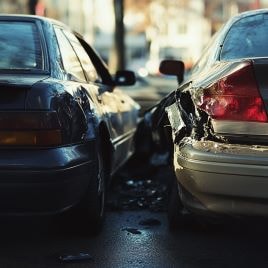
(115, 107)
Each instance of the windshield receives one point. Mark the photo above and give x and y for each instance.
(20, 47)
(247, 38)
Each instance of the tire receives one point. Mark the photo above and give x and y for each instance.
(89, 214)
(175, 207)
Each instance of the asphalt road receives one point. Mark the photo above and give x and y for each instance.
(135, 234)
(126, 243)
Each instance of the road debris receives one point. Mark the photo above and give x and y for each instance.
(80, 257)
(142, 188)
(132, 194)
(132, 230)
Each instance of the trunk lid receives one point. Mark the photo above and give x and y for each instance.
(14, 89)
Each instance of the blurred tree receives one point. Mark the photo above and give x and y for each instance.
(119, 40)
(32, 4)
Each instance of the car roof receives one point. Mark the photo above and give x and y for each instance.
(252, 12)
(229, 24)
(246, 14)
(22, 17)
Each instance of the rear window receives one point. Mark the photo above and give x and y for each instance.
(20, 47)
(247, 38)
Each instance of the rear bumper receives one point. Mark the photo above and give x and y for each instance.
(225, 179)
(46, 180)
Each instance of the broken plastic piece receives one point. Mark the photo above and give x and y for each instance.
(130, 183)
(132, 230)
(76, 258)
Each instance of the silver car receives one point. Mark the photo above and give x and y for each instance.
(218, 125)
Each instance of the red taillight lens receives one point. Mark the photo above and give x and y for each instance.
(235, 97)
(30, 129)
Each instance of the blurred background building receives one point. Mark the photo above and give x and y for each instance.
(154, 29)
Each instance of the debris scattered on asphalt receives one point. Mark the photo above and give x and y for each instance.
(76, 258)
(150, 222)
(142, 188)
(132, 194)
(132, 230)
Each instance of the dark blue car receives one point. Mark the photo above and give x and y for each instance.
(64, 126)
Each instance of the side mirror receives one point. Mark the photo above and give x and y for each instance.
(172, 67)
(125, 78)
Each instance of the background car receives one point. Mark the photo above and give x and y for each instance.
(148, 91)
(64, 125)
(218, 124)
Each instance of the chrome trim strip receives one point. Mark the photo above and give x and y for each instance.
(121, 139)
(240, 127)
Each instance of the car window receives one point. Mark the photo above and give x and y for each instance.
(84, 58)
(70, 61)
(99, 64)
(15, 52)
(247, 38)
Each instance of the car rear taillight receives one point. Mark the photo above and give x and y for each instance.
(30, 128)
(235, 97)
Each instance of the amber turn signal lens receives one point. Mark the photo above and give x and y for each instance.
(30, 128)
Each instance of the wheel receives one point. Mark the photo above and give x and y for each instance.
(91, 210)
(88, 215)
(175, 207)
